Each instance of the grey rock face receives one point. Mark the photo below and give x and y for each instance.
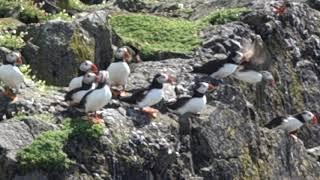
(15, 136)
(58, 44)
(228, 140)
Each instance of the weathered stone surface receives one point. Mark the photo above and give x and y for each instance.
(57, 44)
(15, 136)
(228, 140)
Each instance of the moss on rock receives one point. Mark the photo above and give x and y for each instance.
(83, 47)
(46, 152)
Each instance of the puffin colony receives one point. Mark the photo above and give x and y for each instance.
(92, 89)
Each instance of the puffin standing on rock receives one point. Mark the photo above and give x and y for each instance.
(219, 69)
(86, 66)
(75, 95)
(97, 98)
(293, 122)
(119, 71)
(194, 104)
(11, 75)
(150, 96)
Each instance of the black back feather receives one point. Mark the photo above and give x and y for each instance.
(275, 122)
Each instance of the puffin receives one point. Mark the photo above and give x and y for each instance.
(146, 97)
(97, 98)
(75, 95)
(194, 104)
(292, 123)
(86, 66)
(220, 69)
(254, 77)
(11, 75)
(119, 71)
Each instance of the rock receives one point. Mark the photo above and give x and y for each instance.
(14, 136)
(87, 38)
(3, 52)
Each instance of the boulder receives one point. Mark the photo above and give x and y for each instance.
(57, 44)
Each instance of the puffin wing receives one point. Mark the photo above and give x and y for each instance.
(275, 122)
(179, 103)
(255, 52)
(68, 96)
(137, 96)
(209, 67)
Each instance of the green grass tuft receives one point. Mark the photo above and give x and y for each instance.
(46, 151)
(224, 16)
(154, 34)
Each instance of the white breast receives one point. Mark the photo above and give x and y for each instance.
(118, 73)
(153, 97)
(194, 105)
(225, 71)
(248, 76)
(98, 99)
(75, 83)
(290, 124)
(11, 76)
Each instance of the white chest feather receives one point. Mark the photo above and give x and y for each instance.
(11, 76)
(194, 105)
(98, 99)
(248, 76)
(75, 82)
(225, 71)
(153, 97)
(119, 73)
(290, 124)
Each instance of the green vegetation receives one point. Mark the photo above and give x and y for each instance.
(47, 117)
(29, 12)
(154, 34)
(223, 16)
(11, 40)
(82, 47)
(46, 151)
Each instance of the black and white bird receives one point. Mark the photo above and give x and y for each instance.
(97, 98)
(292, 123)
(119, 70)
(146, 97)
(194, 104)
(86, 66)
(11, 75)
(220, 69)
(75, 95)
(253, 77)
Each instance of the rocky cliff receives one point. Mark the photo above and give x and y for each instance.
(42, 138)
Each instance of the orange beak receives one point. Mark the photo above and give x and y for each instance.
(94, 69)
(314, 120)
(171, 79)
(127, 56)
(212, 87)
(273, 83)
(20, 61)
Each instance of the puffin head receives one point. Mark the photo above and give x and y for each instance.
(103, 77)
(237, 57)
(88, 66)
(89, 78)
(309, 117)
(268, 77)
(123, 53)
(203, 87)
(164, 78)
(14, 58)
